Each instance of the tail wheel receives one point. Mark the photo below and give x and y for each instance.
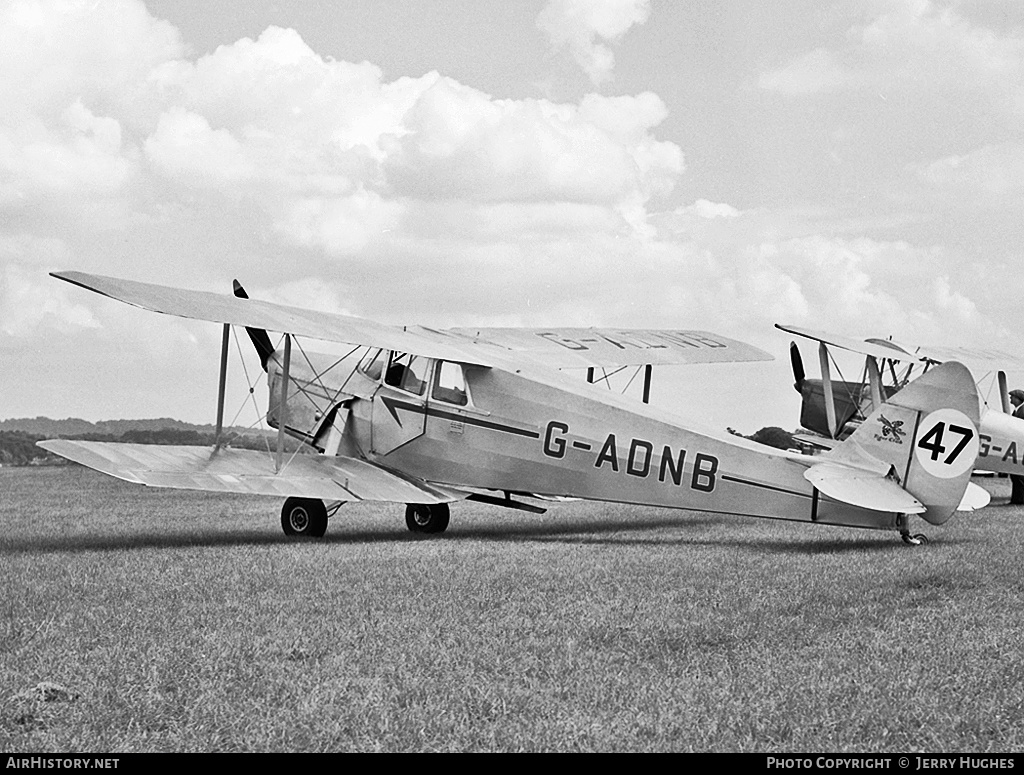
(427, 517)
(304, 517)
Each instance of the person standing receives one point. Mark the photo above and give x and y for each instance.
(1017, 480)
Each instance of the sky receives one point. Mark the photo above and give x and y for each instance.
(854, 166)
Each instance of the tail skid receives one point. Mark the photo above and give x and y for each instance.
(914, 454)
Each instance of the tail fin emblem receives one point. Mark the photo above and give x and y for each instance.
(894, 429)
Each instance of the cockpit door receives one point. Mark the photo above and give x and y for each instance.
(399, 412)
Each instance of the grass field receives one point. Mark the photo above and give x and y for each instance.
(174, 621)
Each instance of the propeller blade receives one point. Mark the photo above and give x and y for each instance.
(798, 366)
(260, 338)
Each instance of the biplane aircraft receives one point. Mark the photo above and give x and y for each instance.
(833, 408)
(431, 417)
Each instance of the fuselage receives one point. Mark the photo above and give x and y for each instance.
(533, 431)
(1002, 442)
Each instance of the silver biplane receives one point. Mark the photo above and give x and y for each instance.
(833, 408)
(431, 417)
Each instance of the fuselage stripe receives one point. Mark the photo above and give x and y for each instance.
(764, 486)
(467, 419)
(482, 423)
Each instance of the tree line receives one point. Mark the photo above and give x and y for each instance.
(18, 448)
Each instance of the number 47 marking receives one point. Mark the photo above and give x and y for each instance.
(932, 441)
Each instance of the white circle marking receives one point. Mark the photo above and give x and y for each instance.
(947, 444)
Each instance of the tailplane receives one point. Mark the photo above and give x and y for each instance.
(923, 440)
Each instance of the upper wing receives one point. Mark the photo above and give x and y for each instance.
(610, 347)
(554, 347)
(221, 308)
(250, 472)
(876, 348)
(977, 359)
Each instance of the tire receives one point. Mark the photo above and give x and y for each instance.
(427, 518)
(305, 517)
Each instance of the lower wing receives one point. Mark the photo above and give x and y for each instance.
(250, 472)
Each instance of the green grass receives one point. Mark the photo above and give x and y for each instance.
(187, 622)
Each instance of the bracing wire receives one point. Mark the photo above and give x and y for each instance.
(635, 375)
(251, 397)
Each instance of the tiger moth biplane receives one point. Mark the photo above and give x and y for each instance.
(832, 408)
(431, 417)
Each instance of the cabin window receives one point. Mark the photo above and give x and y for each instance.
(372, 364)
(407, 372)
(450, 384)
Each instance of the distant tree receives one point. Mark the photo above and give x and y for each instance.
(19, 449)
(774, 436)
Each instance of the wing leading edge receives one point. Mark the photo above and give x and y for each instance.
(977, 359)
(551, 347)
(249, 472)
(221, 308)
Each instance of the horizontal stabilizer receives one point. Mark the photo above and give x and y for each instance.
(249, 471)
(862, 487)
(975, 498)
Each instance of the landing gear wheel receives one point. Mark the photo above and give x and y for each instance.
(914, 540)
(304, 517)
(427, 517)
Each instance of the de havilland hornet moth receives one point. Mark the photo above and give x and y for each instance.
(431, 417)
(833, 408)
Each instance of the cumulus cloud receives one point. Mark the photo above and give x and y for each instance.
(990, 173)
(924, 79)
(343, 225)
(913, 44)
(104, 105)
(26, 301)
(421, 196)
(76, 153)
(53, 52)
(120, 154)
(952, 302)
(460, 144)
(586, 27)
(702, 208)
(186, 148)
